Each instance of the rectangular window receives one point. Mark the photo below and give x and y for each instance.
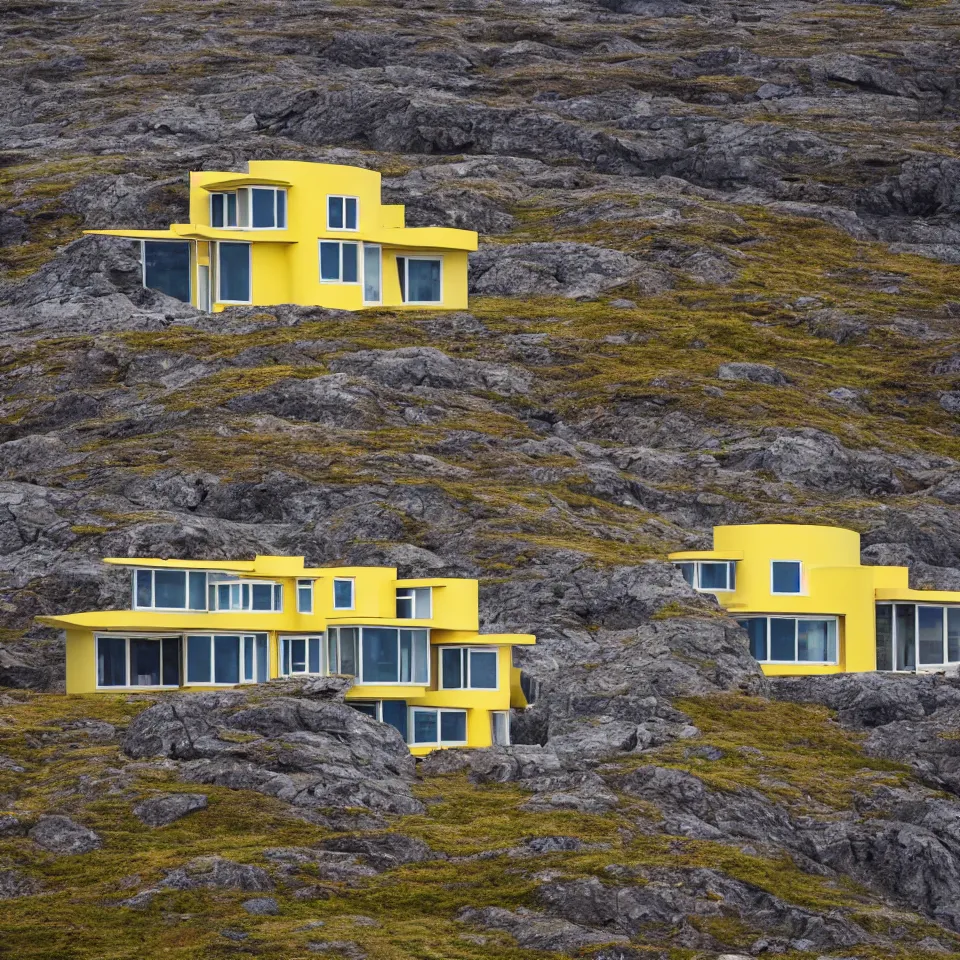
(917, 636)
(421, 279)
(169, 590)
(199, 659)
(151, 661)
(166, 267)
(468, 668)
(438, 727)
(500, 728)
(372, 268)
(710, 576)
(223, 210)
(226, 659)
(389, 655)
(262, 208)
(226, 593)
(370, 708)
(342, 213)
(884, 636)
(793, 639)
(905, 632)
(394, 712)
(413, 603)
(301, 655)
(930, 635)
(342, 650)
(233, 273)
(953, 634)
(304, 596)
(343, 594)
(785, 576)
(339, 262)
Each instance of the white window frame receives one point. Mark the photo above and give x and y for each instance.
(244, 638)
(895, 638)
(127, 637)
(342, 197)
(493, 715)
(411, 727)
(374, 703)
(777, 593)
(326, 654)
(413, 665)
(135, 605)
(307, 585)
(245, 206)
(363, 273)
(284, 647)
(730, 564)
(240, 583)
(413, 599)
(225, 194)
(353, 592)
(406, 280)
(465, 653)
(796, 618)
(249, 246)
(340, 280)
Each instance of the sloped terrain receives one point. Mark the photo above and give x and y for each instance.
(719, 282)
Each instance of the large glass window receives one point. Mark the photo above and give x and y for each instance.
(500, 728)
(138, 661)
(339, 262)
(169, 590)
(301, 655)
(468, 668)
(438, 727)
(342, 213)
(389, 655)
(228, 593)
(372, 267)
(342, 650)
(917, 636)
(413, 603)
(233, 273)
(166, 267)
(792, 639)
(421, 279)
(785, 576)
(268, 208)
(710, 576)
(223, 209)
(220, 658)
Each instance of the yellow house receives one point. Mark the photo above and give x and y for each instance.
(413, 646)
(314, 234)
(810, 607)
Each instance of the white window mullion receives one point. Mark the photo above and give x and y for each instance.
(127, 646)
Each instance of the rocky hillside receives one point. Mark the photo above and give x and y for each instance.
(719, 282)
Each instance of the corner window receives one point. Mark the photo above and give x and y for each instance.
(138, 661)
(300, 655)
(304, 596)
(792, 639)
(166, 267)
(223, 209)
(466, 668)
(710, 576)
(343, 213)
(914, 637)
(234, 273)
(785, 576)
(421, 279)
(390, 655)
(438, 727)
(343, 651)
(169, 590)
(338, 262)
(414, 603)
(343, 594)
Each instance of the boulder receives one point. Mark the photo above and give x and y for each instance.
(62, 835)
(752, 373)
(165, 808)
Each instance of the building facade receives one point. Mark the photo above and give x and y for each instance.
(810, 607)
(314, 234)
(413, 646)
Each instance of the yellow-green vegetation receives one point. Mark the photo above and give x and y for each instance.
(795, 754)
(414, 908)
